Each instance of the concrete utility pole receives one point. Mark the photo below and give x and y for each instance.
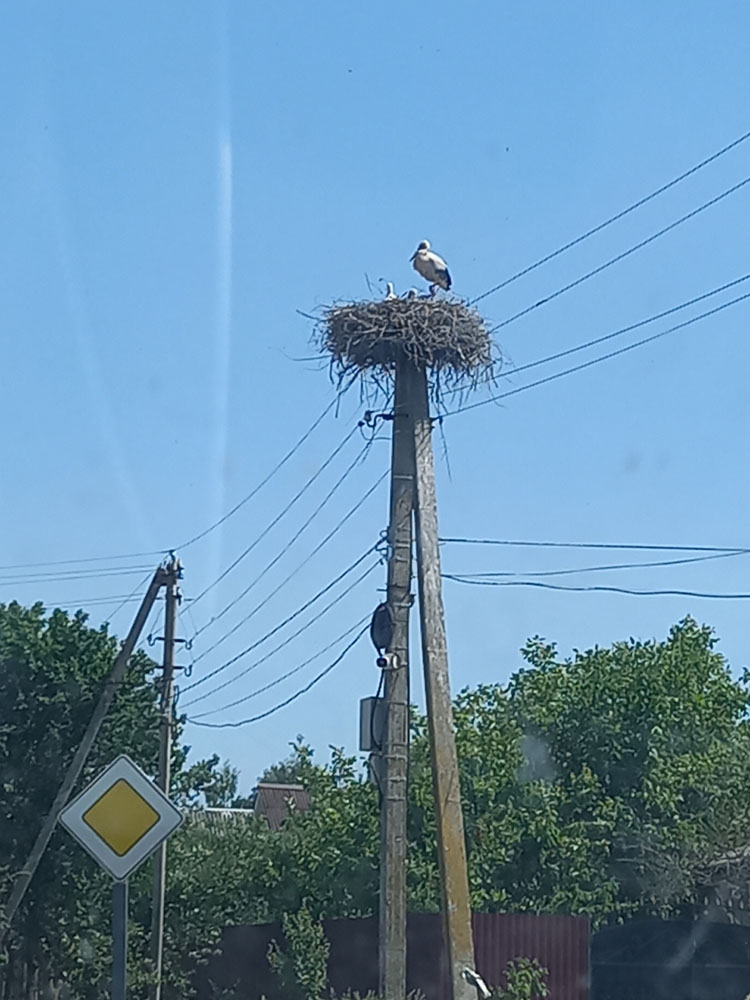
(392, 913)
(450, 827)
(24, 877)
(165, 761)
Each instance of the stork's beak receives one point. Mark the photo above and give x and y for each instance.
(414, 255)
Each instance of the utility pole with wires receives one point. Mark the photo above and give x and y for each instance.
(392, 914)
(107, 696)
(173, 574)
(409, 340)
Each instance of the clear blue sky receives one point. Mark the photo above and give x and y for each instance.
(178, 179)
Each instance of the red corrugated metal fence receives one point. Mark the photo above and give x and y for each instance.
(559, 943)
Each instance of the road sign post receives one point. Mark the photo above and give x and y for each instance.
(119, 940)
(120, 819)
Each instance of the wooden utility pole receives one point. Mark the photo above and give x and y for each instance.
(392, 926)
(450, 827)
(165, 761)
(24, 877)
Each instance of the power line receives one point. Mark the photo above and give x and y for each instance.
(282, 513)
(64, 576)
(267, 656)
(593, 545)
(303, 628)
(153, 625)
(287, 620)
(290, 454)
(660, 564)
(87, 602)
(290, 673)
(192, 620)
(613, 218)
(337, 527)
(596, 361)
(193, 631)
(595, 589)
(290, 542)
(86, 559)
(628, 329)
(621, 256)
(137, 589)
(291, 698)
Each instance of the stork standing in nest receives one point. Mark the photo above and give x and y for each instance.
(432, 267)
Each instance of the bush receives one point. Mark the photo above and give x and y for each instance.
(302, 967)
(525, 979)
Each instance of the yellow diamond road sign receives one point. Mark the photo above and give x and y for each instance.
(121, 818)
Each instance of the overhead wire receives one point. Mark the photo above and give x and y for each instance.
(85, 559)
(614, 218)
(130, 596)
(290, 618)
(287, 701)
(291, 541)
(87, 602)
(595, 361)
(595, 588)
(570, 571)
(289, 673)
(67, 575)
(647, 547)
(282, 645)
(187, 616)
(628, 329)
(152, 625)
(279, 465)
(621, 256)
(290, 576)
(714, 552)
(282, 513)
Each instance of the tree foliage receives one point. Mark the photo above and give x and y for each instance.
(596, 784)
(525, 979)
(52, 668)
(302, 965)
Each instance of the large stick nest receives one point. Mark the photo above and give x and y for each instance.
(447, 337)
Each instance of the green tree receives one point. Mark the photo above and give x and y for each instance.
(657, 732)
(597, 784)
(52, 668)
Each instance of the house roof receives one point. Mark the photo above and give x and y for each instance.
(218, 819)
(275, 801)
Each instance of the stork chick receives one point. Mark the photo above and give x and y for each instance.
(432, 267)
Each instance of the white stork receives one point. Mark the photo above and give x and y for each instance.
(431, 267)
(389, 293)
